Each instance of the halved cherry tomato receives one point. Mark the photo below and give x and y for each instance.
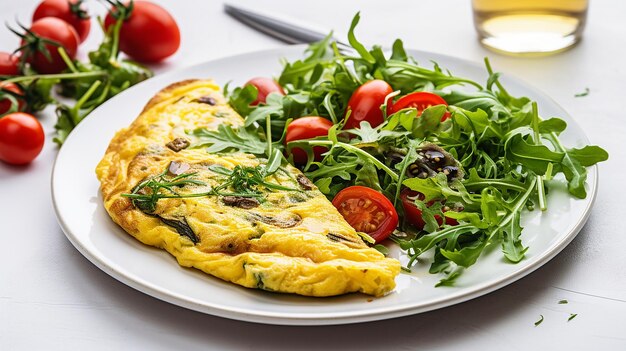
(367, 210)
(149, 34)
(54, 29)
(414, 214)
(5, 104)
(307, 128)
(71, 11)
(265, 86)
(9, 64)
(420, 100)
(21, 138)
(365, 102)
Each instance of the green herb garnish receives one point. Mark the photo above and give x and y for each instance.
(572, 316)
(148, 192)
(242, 181)
(563, 302)
(539, 321)
(584, 93)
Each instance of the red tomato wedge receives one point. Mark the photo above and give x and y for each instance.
(365, 102)
(420, 100)
(307, 128)
(368, 211)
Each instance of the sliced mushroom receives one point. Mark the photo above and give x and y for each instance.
(178, 144)
(340, 238)
(240, 201)
(178, 168)
(289, 221)
(206, 100)
(304, 182)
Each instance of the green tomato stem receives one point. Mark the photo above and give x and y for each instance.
(56, 76)
(87, 94)
(67, 59)
(115, 46)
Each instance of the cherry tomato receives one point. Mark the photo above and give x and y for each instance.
(71, 11)
(367, 210)
(149, 34)
(265, 86)
(420, 100)
(364, 104)
(414, 214)
(9, 64)
(21, 138)
(57, 30)
(5, 104)
(307, 128)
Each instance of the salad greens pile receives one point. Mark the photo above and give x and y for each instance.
(507, 152)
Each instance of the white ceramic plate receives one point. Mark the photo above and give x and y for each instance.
(80, 212)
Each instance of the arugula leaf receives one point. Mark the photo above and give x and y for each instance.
(511, 243)
(572, 316)
(534, 157)
(466, 256)
(574, 162)
(584, 93)
(552, 125)
(428, 122)
(227, 138)
(241, 98)
(39, 93)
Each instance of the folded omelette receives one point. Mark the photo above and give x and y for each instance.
(285, 237)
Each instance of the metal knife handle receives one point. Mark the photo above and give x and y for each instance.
(286, 30)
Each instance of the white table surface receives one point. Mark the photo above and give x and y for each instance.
(52, 298)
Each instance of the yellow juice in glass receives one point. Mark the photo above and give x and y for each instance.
(530, 27)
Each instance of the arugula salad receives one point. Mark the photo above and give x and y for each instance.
(415, 155)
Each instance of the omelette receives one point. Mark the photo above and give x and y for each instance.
(233, 215)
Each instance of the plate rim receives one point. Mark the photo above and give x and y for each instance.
(357, 316)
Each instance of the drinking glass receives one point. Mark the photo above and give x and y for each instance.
(529, 27)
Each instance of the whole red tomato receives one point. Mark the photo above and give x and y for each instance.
(5, 103)
(148, 34)
(21, 138)
(307, 128)
(264, 86)
(71, 11)
(53, 29)
(9, 64)
(365, 102)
